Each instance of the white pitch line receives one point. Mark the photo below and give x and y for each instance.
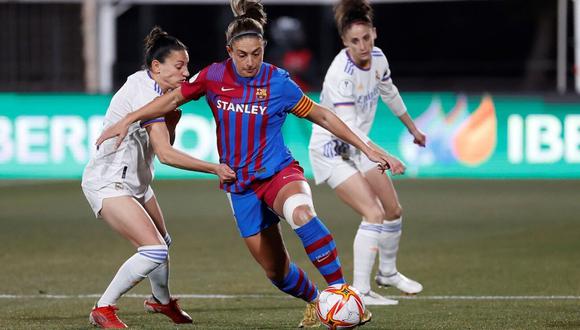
(259, 296)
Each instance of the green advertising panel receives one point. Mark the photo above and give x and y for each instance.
(483, 136)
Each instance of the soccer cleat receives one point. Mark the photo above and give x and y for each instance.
(366, 318)
(399, 281)
(171, 310)
(372, 298)
(105, 317)
(310, 319)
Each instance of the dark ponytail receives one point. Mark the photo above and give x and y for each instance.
(159, 44)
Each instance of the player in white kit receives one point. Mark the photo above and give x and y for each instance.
(357, 77)
(116, 182)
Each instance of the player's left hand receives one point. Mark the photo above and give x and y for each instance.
(419, 138)
(171, 120)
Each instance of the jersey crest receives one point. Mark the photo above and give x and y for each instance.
(261, 93)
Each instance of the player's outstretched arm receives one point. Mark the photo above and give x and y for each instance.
(160, 140)
(331, 122)
(156, 108)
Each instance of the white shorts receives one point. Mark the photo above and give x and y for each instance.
(115, 189)
(335, 170)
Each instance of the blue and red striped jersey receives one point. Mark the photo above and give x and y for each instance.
(249, 113)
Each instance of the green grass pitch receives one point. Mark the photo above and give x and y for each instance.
(515, 242)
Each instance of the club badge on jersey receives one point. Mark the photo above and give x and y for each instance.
(261, 93)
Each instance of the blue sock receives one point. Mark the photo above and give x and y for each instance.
(321, 250)
(297, 284)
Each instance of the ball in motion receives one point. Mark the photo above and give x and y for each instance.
(340, 307)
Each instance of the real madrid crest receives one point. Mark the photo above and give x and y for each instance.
(261, 93)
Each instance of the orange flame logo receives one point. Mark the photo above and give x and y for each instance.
(476, 139)
(458, 136)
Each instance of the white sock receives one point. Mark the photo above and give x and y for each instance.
(389, 245)
(133, 271)
(365, 250)
(159, 279)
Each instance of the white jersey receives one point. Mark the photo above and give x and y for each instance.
(352, 93)
(132, 163)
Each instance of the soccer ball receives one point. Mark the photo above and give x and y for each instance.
(340, 307)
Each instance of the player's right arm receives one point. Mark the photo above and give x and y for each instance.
(160, 106)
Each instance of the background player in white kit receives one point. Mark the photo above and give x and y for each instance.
(358, 75)
(116, 182)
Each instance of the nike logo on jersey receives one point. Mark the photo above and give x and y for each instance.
(227, 89)
(244, 108)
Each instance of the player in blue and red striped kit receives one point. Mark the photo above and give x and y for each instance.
(250, 100)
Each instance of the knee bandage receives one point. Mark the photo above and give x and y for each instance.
(292, 203)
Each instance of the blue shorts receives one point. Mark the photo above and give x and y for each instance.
(252, 214)
(253, 208)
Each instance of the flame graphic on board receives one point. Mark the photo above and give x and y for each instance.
(458, 136)
(476, 139)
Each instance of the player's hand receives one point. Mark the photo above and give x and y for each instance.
(119, 129)
(385, 161)
(419, 138)
(395, 165)
(171, 120)
(225, 173)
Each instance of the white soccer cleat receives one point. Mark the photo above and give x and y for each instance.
(372, 298)
(399, 281)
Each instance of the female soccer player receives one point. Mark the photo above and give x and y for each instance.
(116, 182)
(356, 78)
(250, 100)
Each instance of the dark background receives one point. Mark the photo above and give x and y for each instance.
(470, 46)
